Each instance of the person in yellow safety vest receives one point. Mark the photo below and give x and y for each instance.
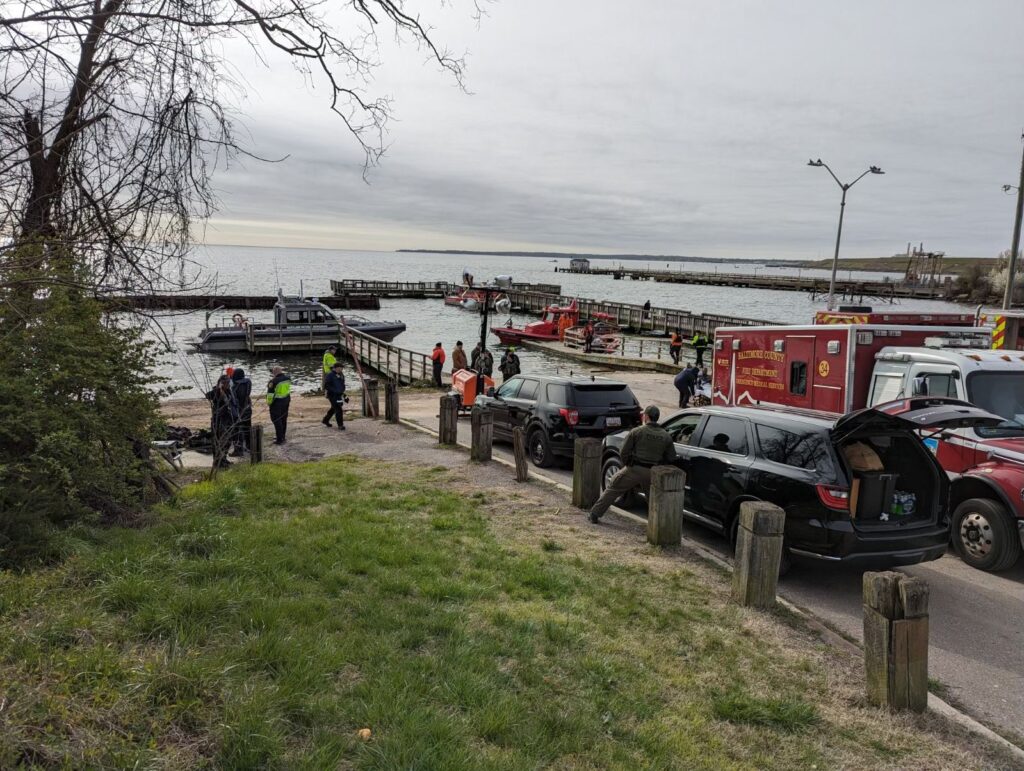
(700, 344)
(329, 358)
(279, 398)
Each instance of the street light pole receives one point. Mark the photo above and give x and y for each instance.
(839, 232)
(1015, 246)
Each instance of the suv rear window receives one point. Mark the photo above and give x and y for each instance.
(808, 450)
(725, 435)
(602, 395)
(558, 394)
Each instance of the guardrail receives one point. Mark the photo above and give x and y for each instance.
(401, 365)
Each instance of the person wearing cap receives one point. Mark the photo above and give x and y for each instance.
(459, 360)
(509, 365)
(646, 446)
(437, 357)
(334, 387)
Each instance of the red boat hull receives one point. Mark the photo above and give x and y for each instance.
(511, 336)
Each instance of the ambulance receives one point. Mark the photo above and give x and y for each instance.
(858, 358)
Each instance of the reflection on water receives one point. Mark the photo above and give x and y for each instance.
(249, 270)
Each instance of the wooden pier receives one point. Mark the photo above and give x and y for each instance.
(202, 302)
(420, 290)
(659, 321)
(849, 288)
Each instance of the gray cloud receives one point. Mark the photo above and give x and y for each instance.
(681, 128)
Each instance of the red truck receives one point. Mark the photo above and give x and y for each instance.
(852, 360)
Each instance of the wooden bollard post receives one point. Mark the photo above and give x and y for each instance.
(256, 443)
(371, 402)
(896, 640)
(391, 402)
(481, 431)
(755, 575)
(665, 506)
(448, 423)
(519, 451)
(586, 472)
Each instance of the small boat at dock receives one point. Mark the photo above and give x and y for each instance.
(299, 324)
(547, 328)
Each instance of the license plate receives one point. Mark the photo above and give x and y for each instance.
(613, 422)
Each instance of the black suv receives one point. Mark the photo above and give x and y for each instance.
(863, 488)
(555, 410)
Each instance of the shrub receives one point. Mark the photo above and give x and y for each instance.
(77, 407)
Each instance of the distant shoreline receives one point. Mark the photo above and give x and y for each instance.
(895, 264)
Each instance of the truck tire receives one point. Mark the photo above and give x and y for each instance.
(985, 535)
(539, 448)
(611, 467)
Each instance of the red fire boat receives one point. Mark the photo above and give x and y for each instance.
(546, 329)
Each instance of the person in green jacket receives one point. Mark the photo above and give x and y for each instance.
(330, 356)
(700, 344)
(646, 446)
(279, 398)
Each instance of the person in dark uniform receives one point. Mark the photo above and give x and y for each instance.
(241, 390)
(222, 420)
(279, 399)
(334, 386)
(685, 382)
(646, 446)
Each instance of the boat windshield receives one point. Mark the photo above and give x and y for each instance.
(1003, 394)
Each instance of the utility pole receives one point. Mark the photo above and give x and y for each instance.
(1015, 247)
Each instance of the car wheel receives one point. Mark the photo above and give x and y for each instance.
(611, 467)
(984, 535)
(540, 449)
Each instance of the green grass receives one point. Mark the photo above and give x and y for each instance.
(268, 616)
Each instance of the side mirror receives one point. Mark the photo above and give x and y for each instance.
(490, 391)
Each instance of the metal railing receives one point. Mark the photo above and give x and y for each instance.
(394, 362)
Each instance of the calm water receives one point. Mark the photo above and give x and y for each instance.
(251, 270)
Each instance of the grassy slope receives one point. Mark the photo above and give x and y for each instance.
(269, 615)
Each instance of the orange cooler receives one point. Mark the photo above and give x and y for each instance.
(464, 384)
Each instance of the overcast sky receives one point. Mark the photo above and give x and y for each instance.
(658, 127)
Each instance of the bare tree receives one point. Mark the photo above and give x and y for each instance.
(113, 116)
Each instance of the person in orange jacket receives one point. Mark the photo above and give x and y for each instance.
(437, 357)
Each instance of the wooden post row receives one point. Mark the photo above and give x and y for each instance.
(448, 423)
(665, 506)
(755, 575)
(391, 401)
(519, 451)
(896, 640)
(586, 472)
(481, 427)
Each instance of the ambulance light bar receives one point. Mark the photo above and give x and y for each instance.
(978, 341)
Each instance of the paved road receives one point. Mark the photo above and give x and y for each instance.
(976, 620)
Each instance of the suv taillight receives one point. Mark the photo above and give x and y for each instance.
(572, 417)
(835, 498)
